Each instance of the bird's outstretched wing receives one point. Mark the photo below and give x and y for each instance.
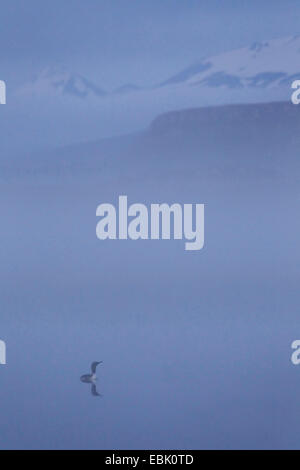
(94, 366)
(94, 391)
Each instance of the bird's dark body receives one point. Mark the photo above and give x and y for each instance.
(86, 378)
(91, 378)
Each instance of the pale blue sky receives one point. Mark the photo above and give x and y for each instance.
(142, 41)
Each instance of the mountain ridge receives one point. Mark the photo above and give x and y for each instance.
(262, 65)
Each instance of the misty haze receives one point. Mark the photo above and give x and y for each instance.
(195, 345)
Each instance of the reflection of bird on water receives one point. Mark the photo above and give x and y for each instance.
(91, 378)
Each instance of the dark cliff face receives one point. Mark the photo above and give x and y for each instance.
(251, 140)
(234, 118)
(253, 137)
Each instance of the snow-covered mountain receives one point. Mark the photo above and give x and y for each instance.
(260, 73)
(59, 81)
(263, 64)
